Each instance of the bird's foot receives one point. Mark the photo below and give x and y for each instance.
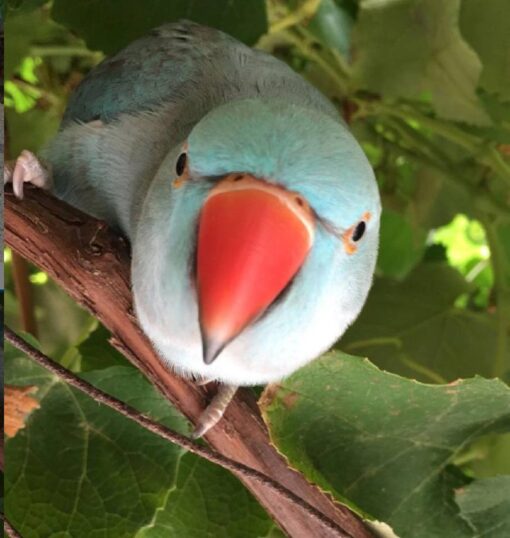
(27, 169)
(214, 411)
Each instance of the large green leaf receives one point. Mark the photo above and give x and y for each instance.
(82, 470)
(404, 48)
(96, 352)
(203, 503)
(110, 25)
(401, 244)
(485, 505)
(437, 200)
(485, 24)
(414, 328)
(384, 442)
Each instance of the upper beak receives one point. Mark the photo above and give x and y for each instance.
(252, 239)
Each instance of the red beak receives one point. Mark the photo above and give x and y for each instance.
(253, 237)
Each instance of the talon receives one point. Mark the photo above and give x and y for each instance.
(27, 169)
(214, 411)
(17, 178)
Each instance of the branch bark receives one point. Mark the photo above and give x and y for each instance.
(92, 264)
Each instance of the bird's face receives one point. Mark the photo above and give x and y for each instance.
(264, 249)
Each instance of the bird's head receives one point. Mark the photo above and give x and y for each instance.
(261, 226)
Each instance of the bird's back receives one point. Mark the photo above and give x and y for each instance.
(184, 62)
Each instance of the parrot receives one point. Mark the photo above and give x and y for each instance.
(252, 211)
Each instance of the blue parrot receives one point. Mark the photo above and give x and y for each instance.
(252, 211)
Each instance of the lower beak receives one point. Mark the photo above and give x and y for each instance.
(252, 239)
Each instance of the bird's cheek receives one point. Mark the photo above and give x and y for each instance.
(252, 239)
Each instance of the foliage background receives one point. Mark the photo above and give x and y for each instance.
(425, 86)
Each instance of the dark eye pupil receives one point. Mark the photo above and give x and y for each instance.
(181, 164)
(359, 231)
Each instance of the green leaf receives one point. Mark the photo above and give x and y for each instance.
(97, 353)
(81, 469)
(31, 129)
(485, 505)
(22, 30)
(401, 245)
(436, 200)
(413, 327)
(405, 48)
(485, 24)
(384, 442)
(200, 505)
(465, 241)
(109, 26)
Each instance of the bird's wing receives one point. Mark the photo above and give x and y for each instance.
(180, 62)
(146, 73)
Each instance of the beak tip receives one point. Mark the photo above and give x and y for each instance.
(211, 349)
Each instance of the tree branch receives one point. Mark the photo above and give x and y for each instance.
(92, 264)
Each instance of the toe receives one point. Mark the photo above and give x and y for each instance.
(19, 177)
(17, 187)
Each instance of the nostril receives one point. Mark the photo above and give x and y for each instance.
(238, 177)
(299, 201)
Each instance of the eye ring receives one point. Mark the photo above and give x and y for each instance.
(180, 165)
(359, 231)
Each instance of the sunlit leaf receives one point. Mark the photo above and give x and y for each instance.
(22, 30)
(464, 240)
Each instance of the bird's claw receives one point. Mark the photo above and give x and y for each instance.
(27, 169)
(212, 414)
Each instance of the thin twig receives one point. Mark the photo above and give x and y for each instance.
(167, 433)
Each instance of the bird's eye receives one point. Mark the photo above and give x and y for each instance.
(359, 231)
(180, 165)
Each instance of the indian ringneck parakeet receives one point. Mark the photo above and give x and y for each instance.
(252, 211)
